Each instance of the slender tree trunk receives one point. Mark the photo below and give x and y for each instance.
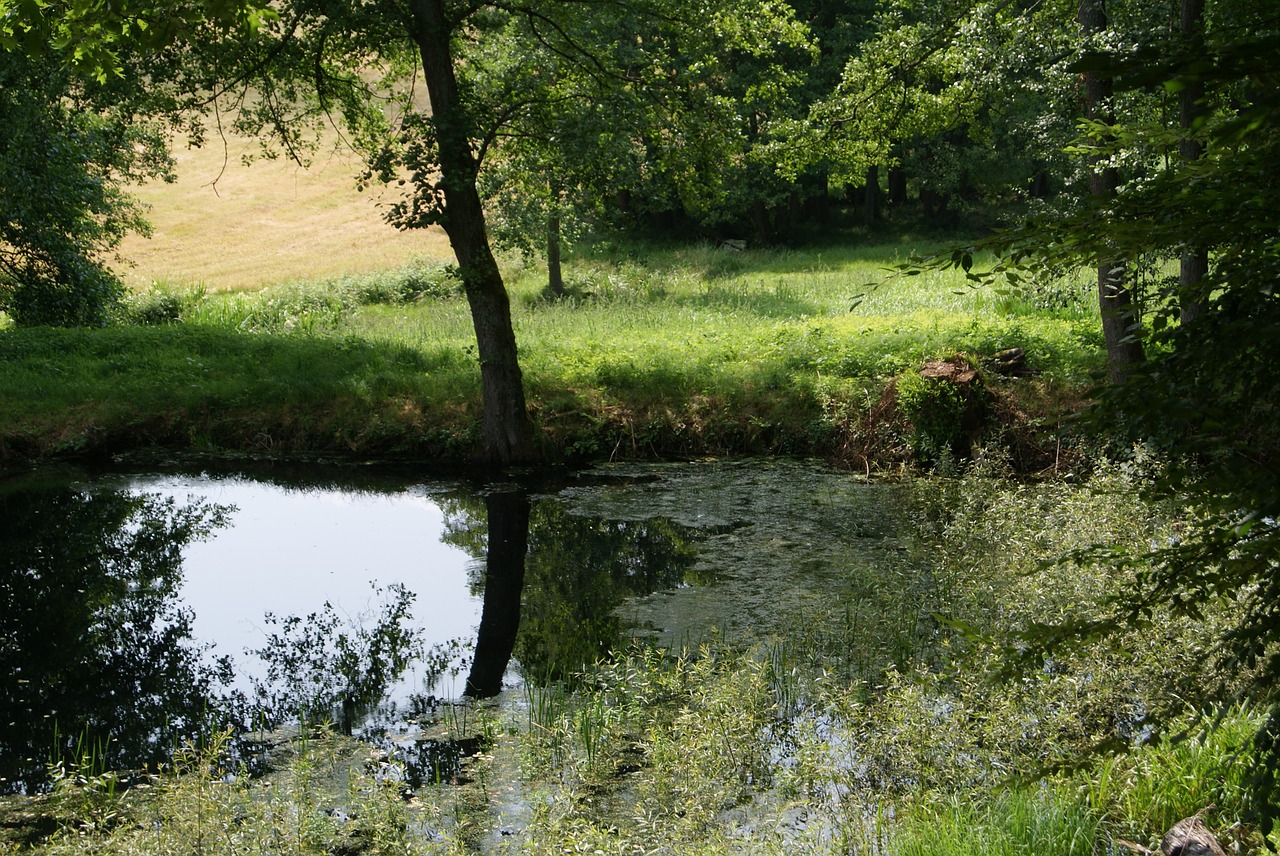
(1195, 262)
(508, 432)
(871, 196)
(555, 277)
(1119, 316)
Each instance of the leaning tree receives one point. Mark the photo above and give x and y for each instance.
(487, 68)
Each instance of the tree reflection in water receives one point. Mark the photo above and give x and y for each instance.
(552, 580)
(507, 513)
(98, 653)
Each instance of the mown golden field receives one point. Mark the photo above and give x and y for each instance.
(225, 225)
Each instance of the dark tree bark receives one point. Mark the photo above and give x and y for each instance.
(508, 432)
(818, 206)
(761, 223)
(928, 201)
(1195, 262)
(1119, 315)
(555, 276)
(795, 210)
(897, 186)
(503, 588)
(871, 196)
(1040, 184)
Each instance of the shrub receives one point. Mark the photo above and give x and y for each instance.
(945, 409)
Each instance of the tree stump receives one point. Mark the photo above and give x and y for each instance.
(1190, 837)
(956, 422)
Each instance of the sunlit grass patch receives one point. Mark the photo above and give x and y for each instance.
(228, 225)
(1044, 821)
(687, 350)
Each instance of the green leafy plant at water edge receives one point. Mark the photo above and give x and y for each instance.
(327, 795)
(942, 414)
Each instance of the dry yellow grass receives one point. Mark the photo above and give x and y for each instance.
(247, 227)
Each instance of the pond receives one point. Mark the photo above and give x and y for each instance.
(144, 608)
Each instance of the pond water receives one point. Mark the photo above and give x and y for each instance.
(134, 599)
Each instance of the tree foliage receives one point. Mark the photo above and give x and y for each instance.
(99, 650)
(89, 94)
(93, 39)
(1207, 397)
(61, 206)
(496, 74)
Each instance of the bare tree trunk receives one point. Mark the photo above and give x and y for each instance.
(1119, 316)
(555, 277)
(1195, 262)
(871, 196)
(508, 432)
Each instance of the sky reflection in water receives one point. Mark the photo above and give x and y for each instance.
(289, 551)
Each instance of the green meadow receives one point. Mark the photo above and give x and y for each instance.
(656, 351)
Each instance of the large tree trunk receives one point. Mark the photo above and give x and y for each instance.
(508, 432)
(1195, 262)
(1119, 316)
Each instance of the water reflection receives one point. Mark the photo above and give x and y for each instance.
(98, 650)
(105, 579)
(507, 515)
(580, 570)
(553, 580)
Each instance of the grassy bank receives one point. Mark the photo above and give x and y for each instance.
(670, 352)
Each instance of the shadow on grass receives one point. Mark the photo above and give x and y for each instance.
(199, 387)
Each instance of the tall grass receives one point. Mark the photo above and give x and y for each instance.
(1046, 822)
(672, 352)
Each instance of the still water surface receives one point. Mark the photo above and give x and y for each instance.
(127, 587)
(288, 551)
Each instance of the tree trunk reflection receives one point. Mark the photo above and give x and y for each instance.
(503, 585)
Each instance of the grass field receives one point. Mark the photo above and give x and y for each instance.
(225, 225)
(306, 325)
(660, 352)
